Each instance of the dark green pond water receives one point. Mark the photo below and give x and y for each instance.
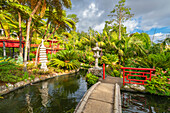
(144, 103)
(57, 95)
(62, 94)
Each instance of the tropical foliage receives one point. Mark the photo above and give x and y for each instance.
(11, 72)
(91, 79)
(43, 19)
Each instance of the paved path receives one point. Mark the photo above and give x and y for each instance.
(112, 80)
(103, 97)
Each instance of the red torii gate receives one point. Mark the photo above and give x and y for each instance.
(14, 43)
(49, 47)
(10, 44)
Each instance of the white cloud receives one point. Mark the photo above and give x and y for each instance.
(99, 27)
(152, 13)
(158, 36)
(92, 11)
(100, 13)
(85, 13)
(131, 25)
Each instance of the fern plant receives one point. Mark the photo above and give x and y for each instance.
(66, 55)
(71, 65)
(158, 85)
(153, 60)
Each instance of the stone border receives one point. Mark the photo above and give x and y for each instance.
(83, 101)
(7, 89)
(117, 100)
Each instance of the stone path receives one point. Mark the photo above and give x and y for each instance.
(113, 80)
(103, 97)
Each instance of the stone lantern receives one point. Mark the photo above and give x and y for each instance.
(96, 70)
(43, 57)
(96, 55)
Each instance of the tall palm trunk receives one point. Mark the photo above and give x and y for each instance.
(119, 29)
(20, 35)
(28, 32)
(120, 34)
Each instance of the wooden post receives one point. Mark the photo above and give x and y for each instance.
(103, 71)
(4, 50)
(13, 52)
(123, 77)
(23, 51)
(10, 52)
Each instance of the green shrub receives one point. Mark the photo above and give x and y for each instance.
(91, 79)
(26, 75)
(66, 55)
(10, 72)
(153, 60)
(35, 71)
(110, 59)
(71, 65)
(32, 55)
(160, 72)
(31, 66)
(42, 72)
(158, 85)
(113, 70)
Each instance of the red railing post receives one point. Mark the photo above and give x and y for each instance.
(103, 71)
(123, 76)
(150, 75)
(131, 73)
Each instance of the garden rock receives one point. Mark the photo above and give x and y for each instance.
(96, 71)
(3, 88)
(27, 82)
(36, 79)
(138, 87)
(10, 86)
(19, 84)
(126, 87)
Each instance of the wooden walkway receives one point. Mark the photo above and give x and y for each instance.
(102, 97)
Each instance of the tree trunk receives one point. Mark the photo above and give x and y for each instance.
(120, 22)
(28, 32)
(29, 46)
(119, 29)
(8, 33)
(20, 35)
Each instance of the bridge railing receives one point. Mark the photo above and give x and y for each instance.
(136, 75)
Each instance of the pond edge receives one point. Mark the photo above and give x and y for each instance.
(23, 84)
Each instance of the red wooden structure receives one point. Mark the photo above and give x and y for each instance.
(53, 48)
(103, 71)
(11, 43)
(132, 75)
(4, 42)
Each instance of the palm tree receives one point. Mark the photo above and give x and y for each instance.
(56, 21)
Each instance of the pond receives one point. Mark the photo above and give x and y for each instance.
(144, 103)
(62, 94)
(57, 95)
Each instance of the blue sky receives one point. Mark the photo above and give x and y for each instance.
(150, 16)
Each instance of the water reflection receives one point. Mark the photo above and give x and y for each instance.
(28, 100)
(57, 95)
(44, 93)
(140, 103)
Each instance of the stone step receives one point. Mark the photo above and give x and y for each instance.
(42, 54)
(43, 61)
(43, 58)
